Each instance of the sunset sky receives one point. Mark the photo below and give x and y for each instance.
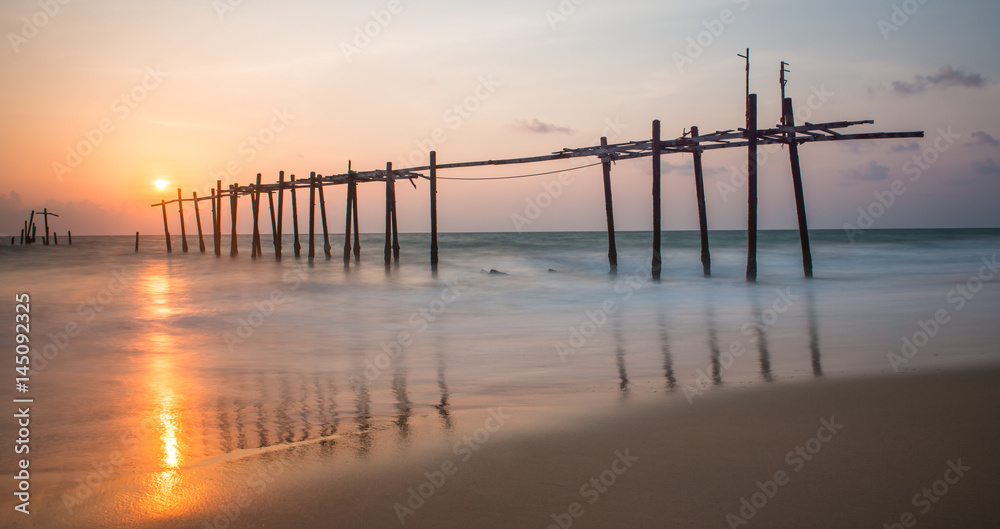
(102, 98)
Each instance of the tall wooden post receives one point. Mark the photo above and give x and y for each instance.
(752, 187)
(255, 207)
(388, 213)
(609, 209)
(136, 242)
(31, 227)
(45, 213)
(312, 215)
(166, 229)
(281, 212)
(274, 226)
(322, 215)
(395, 228)
(295, 217)
(215, 223)
(22, 234)
(180, 212)
(218, 218)
(434, 211)
(197, 217)
(69, 235)
(55, 238)
(234, 249)
(699, 184)
(800, 204)
(657, 261)
(357, 230)
(347, 226)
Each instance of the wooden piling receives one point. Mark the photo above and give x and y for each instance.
(55, 239)
(752, 187)
(22, 235)
(312, 216)
(657, 261)
(322, 214)
(234, 248)
(388, 213)
(255, 208)
(295, 217)
(215, 225)
(197, 218)
(281, 213)
(699, 184)
(136, 242)
(31, 228)
(274, 226)
(609, 209)
(218, 218)
(357, 231)
(34, 232)
(45, 213)
(347, 222)
(395, 229)
(800, 205)
(166, 229)
(434, 210)
(69, 235)
(180, 212)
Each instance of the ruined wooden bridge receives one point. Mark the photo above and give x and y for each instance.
(750, 137)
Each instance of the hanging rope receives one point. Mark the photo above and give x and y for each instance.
(517, 176)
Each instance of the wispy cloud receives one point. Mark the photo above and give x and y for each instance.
(906, 147)
(871, 171)
(945, 78)
(981, 138)
(986, 167)
(539, 127)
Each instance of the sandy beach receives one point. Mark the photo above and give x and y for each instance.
(912, 450)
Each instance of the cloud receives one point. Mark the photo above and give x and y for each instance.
(945, 78)
(539, 127)
(912, 146)
(986, 167)
(871, 172)
(82, 217)
(982, 138)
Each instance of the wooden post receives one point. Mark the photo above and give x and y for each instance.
(234, 248)
(388, 213)
(295, 217)
(274, 226)
(752, 187)
(166, 229)
(255, 207)
(69, 235)
(55, 239)
(281, 213)
(322, 214)
(31, 227)
(434, 211)
(609, 210)
(180, 212)
(800, 204)
(215, 224)
(357, 231)
(699, 184)
(218, 218)
(22, 234)
(657, 261)
(347, 226)
(312, 215)
(136, 242)
(197, 217)
(34, 232)
(45, 213)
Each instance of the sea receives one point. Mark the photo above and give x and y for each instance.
(147, 366)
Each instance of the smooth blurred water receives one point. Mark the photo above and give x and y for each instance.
(182, 358)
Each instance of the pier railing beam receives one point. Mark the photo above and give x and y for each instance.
(699, 184)
(800, 205)
(657, 260)
(752, 187)
(609, 210)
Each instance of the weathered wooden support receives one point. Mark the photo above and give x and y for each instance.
(347, 222)
(699, 184)
(751, 187)
(434, 210)
(166, 229)
(215, 224)
(609, 210)
(274, 226)
(136, 242)
(22, 235)
(197, 218)
(657, 260)
(31, 228)
(218, 218)
(234, 248)
(255, 208)
(322, 214)
(295, 217)
(55, 239)
(800, 204)
(357, 230)
(34, 232)
(388, 213)
(45, 213)
(69, 235)
(312, 216)
(281, 213)
(180, 212)
(395, 217)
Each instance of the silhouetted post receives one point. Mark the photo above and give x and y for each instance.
(609, 209)
(312, 215)
(136, 242)
(197, 217)
(800, 204)
(55, 239)
(281, 213)
(45, 214)
(295, 217)
(395, 230)
(22, 234)
(34, 232)
(656, 201)
(322, 216)
(215, 224)
(255, 206)
(357, 230)
(752, 187)
(274, 226)
(31, 228)
(699, 184)
(218, 218)
(388, 213)
(347, 222)
(180, 212)
(434, 211)
(234, 248)
(166, 229)
(69, 235)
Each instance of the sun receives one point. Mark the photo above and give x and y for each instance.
(161, 184)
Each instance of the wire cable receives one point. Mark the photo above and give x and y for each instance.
(516, 176)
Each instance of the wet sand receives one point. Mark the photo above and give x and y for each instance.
(824, 453)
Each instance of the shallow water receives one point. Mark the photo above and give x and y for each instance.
(149, 364)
